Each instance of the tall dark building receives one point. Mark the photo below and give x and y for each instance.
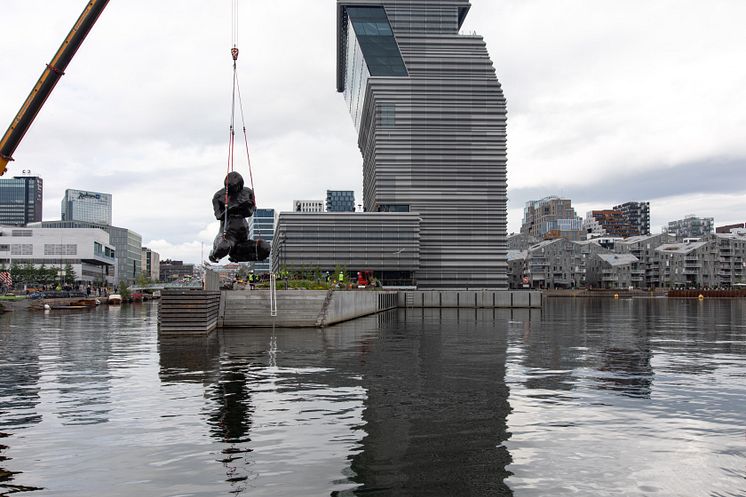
(21, 200)
(340, 201)
(637, 215)
(431, 120)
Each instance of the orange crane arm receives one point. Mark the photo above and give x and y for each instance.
(48, 81)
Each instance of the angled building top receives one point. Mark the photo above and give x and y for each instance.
(373, 28)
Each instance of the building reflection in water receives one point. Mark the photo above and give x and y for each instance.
(83, 372)
(417, 402)
(435, 414)
(583, 342)
(20, 373)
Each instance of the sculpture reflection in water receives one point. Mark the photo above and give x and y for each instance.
(198, 360)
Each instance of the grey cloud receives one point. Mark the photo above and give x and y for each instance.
(723, 175)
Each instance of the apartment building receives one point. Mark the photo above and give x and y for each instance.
(615, 271)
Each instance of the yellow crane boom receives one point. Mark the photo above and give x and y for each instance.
(48, 80)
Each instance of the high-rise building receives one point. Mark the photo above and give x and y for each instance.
(551, 217)
(85, 206)
(340, 201)
(691, 227)
(262, 227)
(151, 264)
(21, 200)
(431, 121)
(308, 205)
(637, 215)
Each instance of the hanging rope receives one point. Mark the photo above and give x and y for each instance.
(236, 91)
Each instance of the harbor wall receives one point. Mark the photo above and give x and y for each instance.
(299, 308)
(195, 311)
(471, 299)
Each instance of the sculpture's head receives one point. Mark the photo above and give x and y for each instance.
(234, 183)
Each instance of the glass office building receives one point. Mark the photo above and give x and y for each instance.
(262, 227)
(85, 206)
(340, 201)
(431, 120)
(21, 200)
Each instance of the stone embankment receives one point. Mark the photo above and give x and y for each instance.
(195, 311)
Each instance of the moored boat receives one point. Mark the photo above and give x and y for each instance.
(115, 299)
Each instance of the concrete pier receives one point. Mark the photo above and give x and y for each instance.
(300, 308)
(189, 312)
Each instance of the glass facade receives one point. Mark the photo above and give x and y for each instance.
(89, 207)
(21, 200)
(340, 201)
(262, 227)
(371, 51)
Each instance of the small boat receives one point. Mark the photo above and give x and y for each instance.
(115, 299)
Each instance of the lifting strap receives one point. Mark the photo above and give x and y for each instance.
(232, 129)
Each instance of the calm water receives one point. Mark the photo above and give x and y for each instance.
(587, 398)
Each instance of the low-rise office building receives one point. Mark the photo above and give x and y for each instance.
(314, 206)
(175, 271)
(87, 251)
(127, 243)
(386, 243)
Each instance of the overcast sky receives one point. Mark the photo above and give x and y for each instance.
(608, 102)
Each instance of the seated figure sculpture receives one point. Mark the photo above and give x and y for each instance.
(233, 238)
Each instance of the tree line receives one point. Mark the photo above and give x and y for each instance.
(43, 274)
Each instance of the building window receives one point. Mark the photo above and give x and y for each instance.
(393, 208)
(60, 249)
(22, 249)
(26, 233)
(388, 115)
